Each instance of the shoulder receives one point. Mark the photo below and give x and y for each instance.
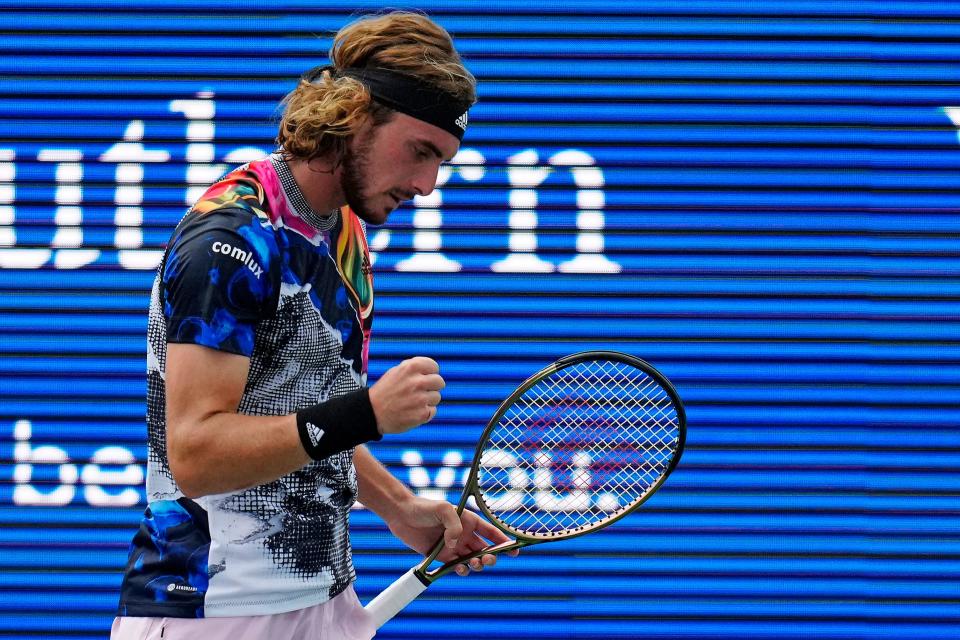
(247, 188)
(222, 241)
(227, 224)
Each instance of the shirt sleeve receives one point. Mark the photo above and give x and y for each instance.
(219, 280)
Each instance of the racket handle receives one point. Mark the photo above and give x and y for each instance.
(395, 597)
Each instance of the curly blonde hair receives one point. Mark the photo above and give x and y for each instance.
(321, 116)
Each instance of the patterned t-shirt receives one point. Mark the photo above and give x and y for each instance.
(252, 270)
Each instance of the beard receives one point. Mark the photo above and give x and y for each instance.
(353, 182)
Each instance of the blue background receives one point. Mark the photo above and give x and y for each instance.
(779, 197)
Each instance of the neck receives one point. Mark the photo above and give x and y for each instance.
(320, 184)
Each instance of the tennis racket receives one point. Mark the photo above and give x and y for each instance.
(578, 446)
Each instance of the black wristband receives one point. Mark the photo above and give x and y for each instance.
(337, 425)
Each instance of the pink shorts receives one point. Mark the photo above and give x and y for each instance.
(342, 618)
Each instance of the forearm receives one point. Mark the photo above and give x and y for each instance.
(380, 491)
(213, 449)
(227, 451)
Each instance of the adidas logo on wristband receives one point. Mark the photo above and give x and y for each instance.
(345, 422)
(315, 433)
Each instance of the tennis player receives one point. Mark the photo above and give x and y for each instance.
(257, 400)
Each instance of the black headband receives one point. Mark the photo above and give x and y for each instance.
(407, 94)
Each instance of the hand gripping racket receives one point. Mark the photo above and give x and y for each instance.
(578, 446)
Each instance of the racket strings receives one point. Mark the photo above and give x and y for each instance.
(578, 448)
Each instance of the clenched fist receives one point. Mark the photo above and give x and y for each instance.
(407, 395)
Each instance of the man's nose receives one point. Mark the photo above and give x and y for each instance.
(425, 181)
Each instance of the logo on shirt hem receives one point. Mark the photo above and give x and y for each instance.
(181, 587)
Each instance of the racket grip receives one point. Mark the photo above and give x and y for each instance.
(395, 597)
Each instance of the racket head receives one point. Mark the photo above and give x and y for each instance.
(577, 446)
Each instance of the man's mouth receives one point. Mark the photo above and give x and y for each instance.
(401, 197)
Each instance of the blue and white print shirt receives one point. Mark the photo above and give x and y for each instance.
(252, 270)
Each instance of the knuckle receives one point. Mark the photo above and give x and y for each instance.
(428, 365)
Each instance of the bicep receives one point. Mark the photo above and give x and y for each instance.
(210, 447)
(201, 382)
(215, 290)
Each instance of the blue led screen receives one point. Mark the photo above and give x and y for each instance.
(760, 198)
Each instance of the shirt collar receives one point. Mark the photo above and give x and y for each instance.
(297, 200)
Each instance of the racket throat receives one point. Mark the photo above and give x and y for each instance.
(509, 545)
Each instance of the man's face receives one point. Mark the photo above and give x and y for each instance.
(392, 163)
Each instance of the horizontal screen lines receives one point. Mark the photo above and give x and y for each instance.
(613, 161)
(103, 83)
(824, 400)
(44, 341)
(613, 251)
(402, 327)
(834, 289)
(132, 69)
(693, 354)
(859, 303)
(661, 226)
(255, 129)
(449, 8)
(465, 25)
(490, 117)
(738, 225)
(588, 47)
(543, 93)
(653, 158)
(579, 9)
(828, 180)
(629, 51)
(605, 115)
(881, 34)
(128, 356)
(721, 141)
(854, 296)
(621, 200)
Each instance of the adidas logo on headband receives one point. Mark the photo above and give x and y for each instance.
(406, 94)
